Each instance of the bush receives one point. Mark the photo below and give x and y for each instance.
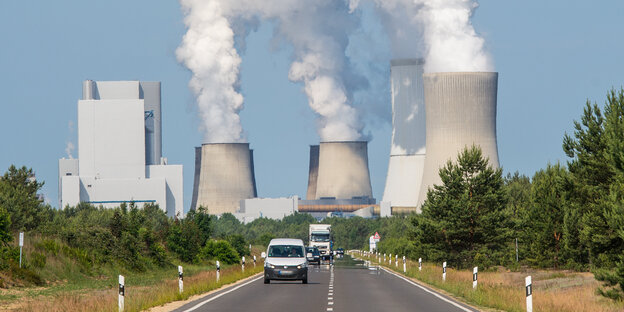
(38, 260)
(220, 250)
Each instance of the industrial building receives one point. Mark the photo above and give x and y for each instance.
(224, 176)
(407, 153)
(460, 112)
(120, 150)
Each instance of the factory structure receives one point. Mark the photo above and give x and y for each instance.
(434, 117)
(120, 150)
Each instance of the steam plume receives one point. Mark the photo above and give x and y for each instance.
(318, 31)
(438, 30)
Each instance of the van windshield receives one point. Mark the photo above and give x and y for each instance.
(286, 251)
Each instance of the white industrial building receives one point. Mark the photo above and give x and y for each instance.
(120, 151)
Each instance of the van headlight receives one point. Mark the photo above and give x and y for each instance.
(268, 265)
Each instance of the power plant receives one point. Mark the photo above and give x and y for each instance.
(224, 175)
(461, 112)
(407, 153)
(120, 150)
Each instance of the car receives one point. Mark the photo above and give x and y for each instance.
(286, 259)
(340, 251)
(314, 255)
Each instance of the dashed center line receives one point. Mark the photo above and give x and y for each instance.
(330, 295)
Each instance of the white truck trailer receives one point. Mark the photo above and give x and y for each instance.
(320, 236)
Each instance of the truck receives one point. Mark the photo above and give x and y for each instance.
(320, 236)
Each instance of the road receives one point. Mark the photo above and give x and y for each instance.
(348, 285)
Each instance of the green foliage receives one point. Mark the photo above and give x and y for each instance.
(18, 197)
(240, 245)
(220, 250)
(466, 215)
(544, 221)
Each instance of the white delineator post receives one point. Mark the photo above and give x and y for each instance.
(21, 244)
(444, 271)
(218, 270)
(404, 265)
(419, 264)
(180, 278)
(122, 292)
(529, 294)
(243, 263)
(390, 260)
(384, 257)
(474, 277)
(396, 260)
(254, 261)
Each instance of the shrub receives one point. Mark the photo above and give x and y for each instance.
(220, 250)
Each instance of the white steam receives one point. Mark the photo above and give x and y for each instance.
(207, 49)
(318, 32)
(330, 50)
(438, 30)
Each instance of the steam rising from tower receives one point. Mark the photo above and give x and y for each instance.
(318, 32)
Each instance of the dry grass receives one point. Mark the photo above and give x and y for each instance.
(556, 291)
(139, 298)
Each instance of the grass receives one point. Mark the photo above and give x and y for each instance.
(141, 293)
(69, 286)
(558, 291)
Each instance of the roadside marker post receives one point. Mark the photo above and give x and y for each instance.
(218, 270)
(243, 263)
(122, 292)
(529, 294)
(384, 257)
(404, 265)
(444, 271)
(474, 277)
(419, 264)
(21, 244)
(396, 260)
(390, 260)
(180, 278)
(254, 261)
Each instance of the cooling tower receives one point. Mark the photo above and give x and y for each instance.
(407, 153)
(343, 170)
(313, 175)
(461, 112)
(225, 177)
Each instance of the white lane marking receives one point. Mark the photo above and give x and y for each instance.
(427, 290)
(223, 293)
(330, 309)
(330, 303)
(330, 298)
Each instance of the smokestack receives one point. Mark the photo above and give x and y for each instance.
(461, 111)
(342, 170)
(225, 177)
(407, 154)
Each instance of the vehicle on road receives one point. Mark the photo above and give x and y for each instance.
(286, 260)
(320, 237)
(314, 255)
(340, 251)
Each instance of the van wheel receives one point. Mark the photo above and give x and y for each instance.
(267, 281)
(305, 280)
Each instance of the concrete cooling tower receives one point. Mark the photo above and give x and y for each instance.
(313, 176)
(461, 111)
(342, 171)
(407, 154)
(224, 175)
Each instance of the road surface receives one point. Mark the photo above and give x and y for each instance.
(348, 285)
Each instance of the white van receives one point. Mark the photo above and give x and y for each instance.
(286, 260)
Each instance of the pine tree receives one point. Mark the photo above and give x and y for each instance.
(464, 220)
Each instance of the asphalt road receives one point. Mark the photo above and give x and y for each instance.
(346, 286)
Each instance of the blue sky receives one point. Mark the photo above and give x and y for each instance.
(551, 57)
